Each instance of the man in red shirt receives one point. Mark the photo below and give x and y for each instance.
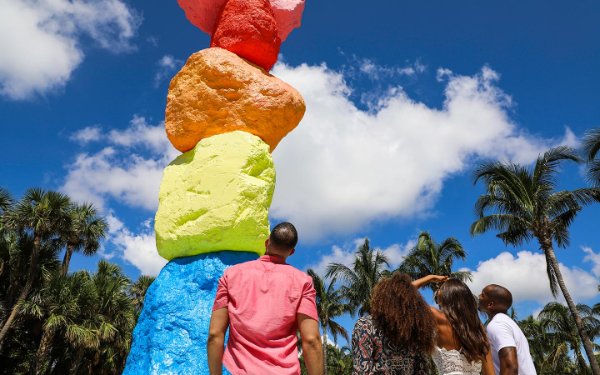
(264, 303)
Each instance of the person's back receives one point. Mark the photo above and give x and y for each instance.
(462, 346)
(264, 303)
(398, 336)
(505, 332)
(263, 298)
(376, 353)
(510, 349)
(448, 355)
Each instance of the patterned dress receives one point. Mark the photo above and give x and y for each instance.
(374, 354)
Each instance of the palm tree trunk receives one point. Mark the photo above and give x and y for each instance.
(76, 362)
(587, 343)
(581, 360)
(26, 289)
(324, 350)
(66, 260)
(42, 352)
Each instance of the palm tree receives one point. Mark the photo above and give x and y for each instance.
(523, 205)
(550, 353)
(61, 305)
(431, 258)
(84, 232)
(330, 304)
(559, 323)
(114, 319)
(340, 360)
(44, 215)
(5, 203)
(5, 200)
(368, 267)
(591, 146)
(138, 292)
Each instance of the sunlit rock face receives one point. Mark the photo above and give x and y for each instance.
(248, 29)
(172, 330)
(216, 197)
(218, 92)
(204, 14)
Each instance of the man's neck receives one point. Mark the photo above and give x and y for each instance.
(272, 254)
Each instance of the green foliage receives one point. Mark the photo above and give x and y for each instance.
(63, 323)
(368, 267)
(431, 258)
(553, 339)
(591, 148)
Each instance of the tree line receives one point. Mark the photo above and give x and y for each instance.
(56, 322)
(53, 321)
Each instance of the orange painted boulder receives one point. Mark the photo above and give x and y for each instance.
(248, 29)
(218, 92)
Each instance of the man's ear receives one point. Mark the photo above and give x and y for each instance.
(266, 243)
(293, 251)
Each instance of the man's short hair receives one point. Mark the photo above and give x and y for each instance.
(500, 295)
(284, 236)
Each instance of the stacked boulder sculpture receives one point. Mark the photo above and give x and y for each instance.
(226, 114)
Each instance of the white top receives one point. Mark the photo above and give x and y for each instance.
(454, 362)
(503, 332)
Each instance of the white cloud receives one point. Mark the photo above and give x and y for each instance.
(525, 276)
(137, 249)
(40, 40)
(593, 258)
(383, 72)
(118, 171)
(165, 68)
(88, 134)
(345, 254)
(344, 167)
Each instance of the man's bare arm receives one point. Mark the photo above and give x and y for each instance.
(509, 365)
(219, 321)
(312, 349)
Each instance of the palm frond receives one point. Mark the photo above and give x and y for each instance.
(591, 143)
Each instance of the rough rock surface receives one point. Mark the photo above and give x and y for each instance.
(248, 29)
(204, 13)
(216, 197)
(171, 332)
(217, 92)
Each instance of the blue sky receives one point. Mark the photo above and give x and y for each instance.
(404, 99)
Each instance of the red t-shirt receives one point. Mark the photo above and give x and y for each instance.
(262, 298)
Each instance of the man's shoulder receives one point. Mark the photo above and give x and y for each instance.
(299, 274)
(241, 266)
(501, 322)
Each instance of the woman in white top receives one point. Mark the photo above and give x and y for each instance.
(462, 344)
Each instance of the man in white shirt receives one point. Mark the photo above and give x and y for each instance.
(510, 349)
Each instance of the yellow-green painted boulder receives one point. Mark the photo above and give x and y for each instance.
(216, 197)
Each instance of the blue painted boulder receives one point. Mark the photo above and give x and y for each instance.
(172, 330)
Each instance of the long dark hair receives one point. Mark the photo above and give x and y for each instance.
(460, 307)
(400, 311)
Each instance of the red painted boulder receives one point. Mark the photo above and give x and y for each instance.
(204, 13)
(248, 29)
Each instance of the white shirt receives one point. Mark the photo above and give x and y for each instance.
(503, 332)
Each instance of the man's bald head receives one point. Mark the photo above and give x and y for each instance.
(283, 240)
(495, 298)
